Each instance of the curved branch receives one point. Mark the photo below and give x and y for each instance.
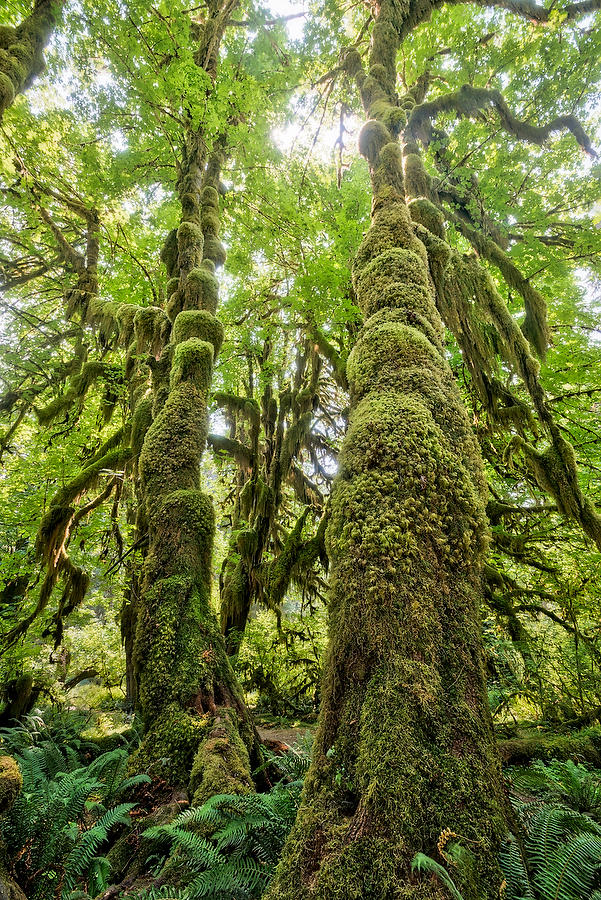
(469, 101)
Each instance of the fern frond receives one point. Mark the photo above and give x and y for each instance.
(423, 863)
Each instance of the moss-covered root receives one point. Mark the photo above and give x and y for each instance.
(21, 50)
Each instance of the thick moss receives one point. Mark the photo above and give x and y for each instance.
(372, 138)
(405, 748)
(11, 782)
(198, 323)
(214, 250)
(169, 253)
(151, 327)
(174, 443)
(582, 746)
(141, 422)
(193, 363)
(190, 242)
(201, 289)
(7, 91)
(222, 764)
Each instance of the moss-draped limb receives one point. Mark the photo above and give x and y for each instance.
(73, 398)
(404, 747)
(21, 50)
(53, 539)
(534, 326)
(469, 101)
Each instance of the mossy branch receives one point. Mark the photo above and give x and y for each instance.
(296, 559)
(234, 404)
(236, 449)
(330, 353)
(470, 101)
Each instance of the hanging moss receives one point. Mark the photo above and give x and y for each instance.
(169, 254)
(125, 316)
(151, 327)
(141, 422)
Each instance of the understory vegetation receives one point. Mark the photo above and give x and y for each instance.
(300, 450)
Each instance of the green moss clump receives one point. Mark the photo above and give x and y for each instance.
(169, 253)
(247, 542)
(189, 234)
(417, 180)
(425, 213)
(174, 443)
(392, 266)
(11, 782)
(210, 197)
(151, 327)
(190, 207)
(198, 323)
(141, 422)
(125, 315)
(193, 362)
(190, 242)
(372, 138)
(210, 222)
(170, 745)
(22, 52)
(214, 250)
(7, 35)
(394, 118)
(172, 286)
(202, 289)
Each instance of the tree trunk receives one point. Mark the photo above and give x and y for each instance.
(192, 707)
(22, 50)
(405, 751)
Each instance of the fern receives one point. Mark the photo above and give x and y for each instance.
(61, 820)
(558, 804)
(239, 845)
(422, 863)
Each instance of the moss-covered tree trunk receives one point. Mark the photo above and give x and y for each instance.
(192, 708)
(405, 749)
(21, 50)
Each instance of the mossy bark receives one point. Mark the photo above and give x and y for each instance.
(405, 748)
(198, 732)
(21, 50)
